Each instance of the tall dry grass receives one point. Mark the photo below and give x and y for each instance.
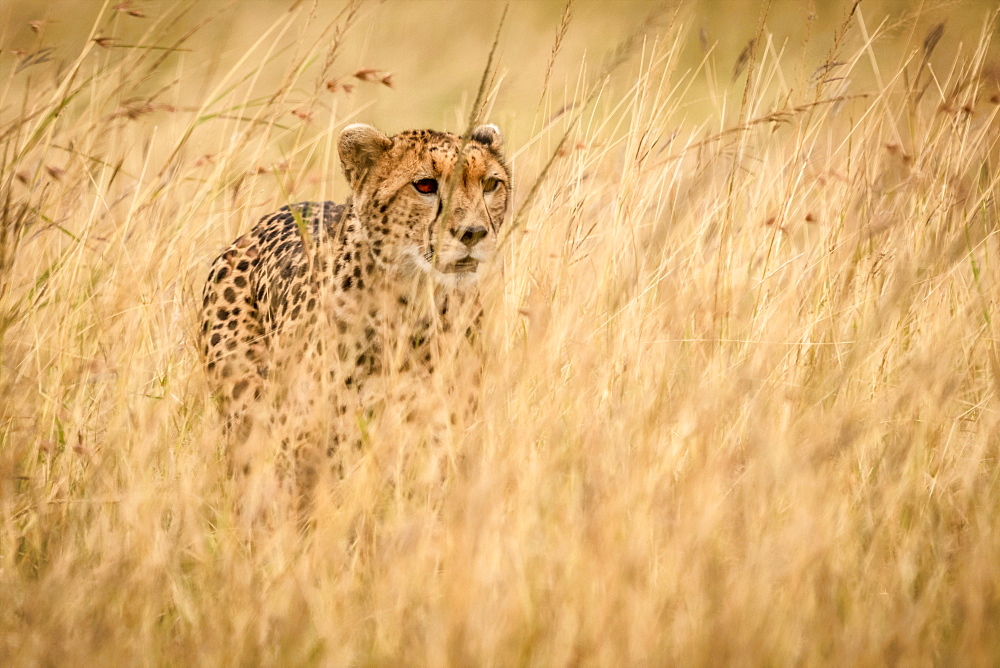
(740, 398)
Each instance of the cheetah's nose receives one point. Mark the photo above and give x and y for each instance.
(470, 236)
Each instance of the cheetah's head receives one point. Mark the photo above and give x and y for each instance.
(423, 209)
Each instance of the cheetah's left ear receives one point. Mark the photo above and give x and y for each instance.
(488, 135)
(360, 146)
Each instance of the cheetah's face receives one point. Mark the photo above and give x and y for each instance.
(418, 214)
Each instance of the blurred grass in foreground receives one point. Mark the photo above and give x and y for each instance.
(741, 395)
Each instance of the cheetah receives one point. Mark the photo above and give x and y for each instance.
(325, 296)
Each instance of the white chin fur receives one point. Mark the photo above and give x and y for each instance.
(452, 281)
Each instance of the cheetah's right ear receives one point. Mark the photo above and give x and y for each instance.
(360, 146)
(488, 135)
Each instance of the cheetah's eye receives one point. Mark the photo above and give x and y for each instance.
(490, 184)
(426, 186)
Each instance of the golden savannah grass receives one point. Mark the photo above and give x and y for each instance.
(741, 386)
